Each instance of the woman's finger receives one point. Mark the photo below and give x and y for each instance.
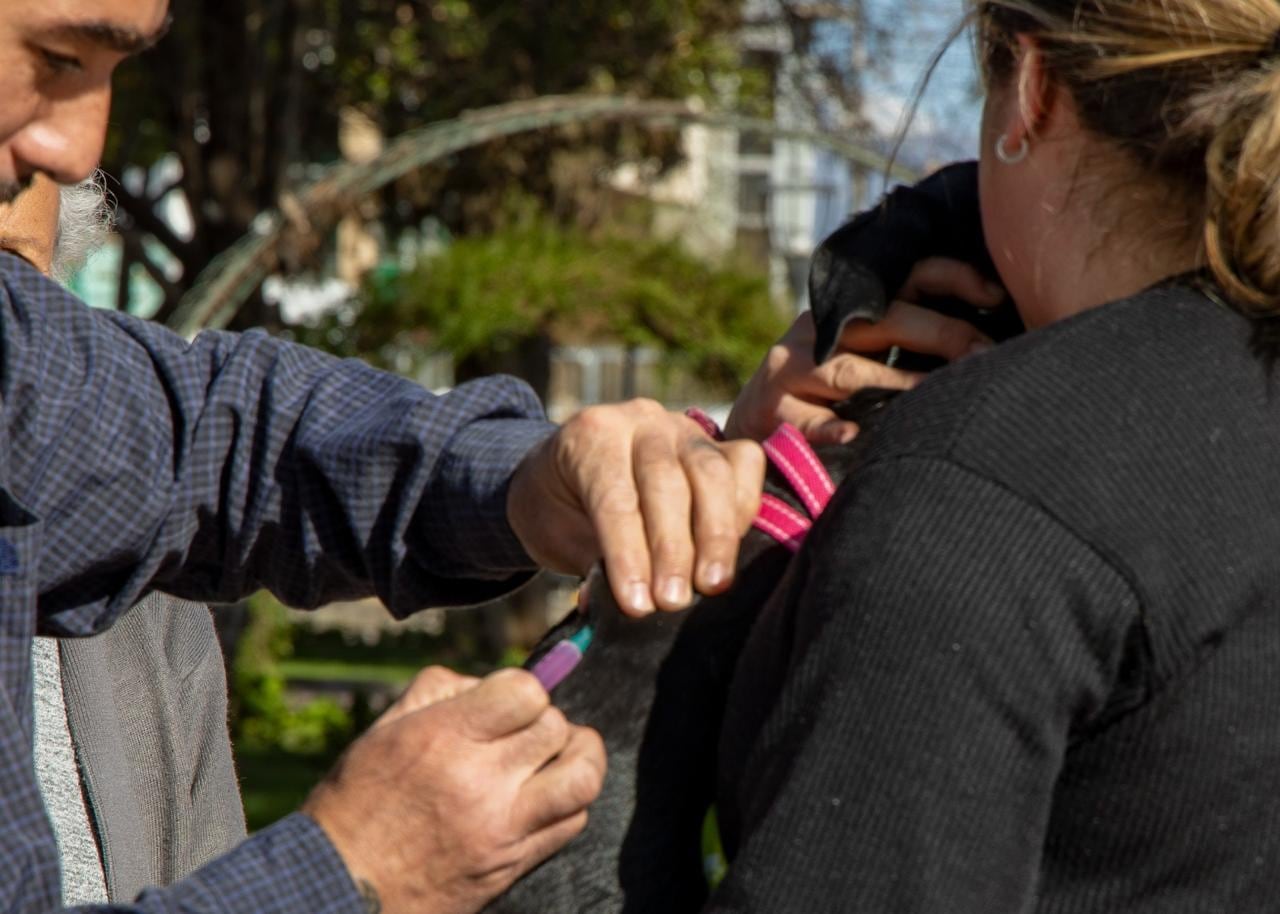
(847, 373)
(833, 431)
(916, 329)
(944, 277)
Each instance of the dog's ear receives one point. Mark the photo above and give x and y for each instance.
(856, 272)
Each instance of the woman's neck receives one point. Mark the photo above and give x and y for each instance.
(1072, 278)
(1106, 238)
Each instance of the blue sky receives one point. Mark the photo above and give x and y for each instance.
(946, 126)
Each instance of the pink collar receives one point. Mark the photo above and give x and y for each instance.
(795, 459)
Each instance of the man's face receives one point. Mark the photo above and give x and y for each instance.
(56, 61)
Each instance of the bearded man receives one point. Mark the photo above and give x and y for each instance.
(135, 461)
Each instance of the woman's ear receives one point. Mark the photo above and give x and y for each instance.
(1036, 99)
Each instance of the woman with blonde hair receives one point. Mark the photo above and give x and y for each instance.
(1028, 660)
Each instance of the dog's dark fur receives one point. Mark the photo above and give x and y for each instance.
(655, 688)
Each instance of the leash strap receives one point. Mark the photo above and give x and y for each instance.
(787, 450)
(795, 459)
(708, 424)
(780, 521)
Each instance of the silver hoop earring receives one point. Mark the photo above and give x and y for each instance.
(1011, 158)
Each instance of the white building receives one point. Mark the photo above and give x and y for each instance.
(769, 200)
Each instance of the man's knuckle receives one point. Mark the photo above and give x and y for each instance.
(593, 746)
(617, 500)
(750, 457)
(491, 837)
(433, 678)
(522, 688)
(668, 549)
(718, 534)
(647, 407)
(589, 422)
(742, 452)
(706, 458)
(554, 726)
(583, 783)
(665, 483)
(462, 789)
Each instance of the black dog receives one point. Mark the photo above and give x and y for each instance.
(656, 688)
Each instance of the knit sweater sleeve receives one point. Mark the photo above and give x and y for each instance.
(942, 638)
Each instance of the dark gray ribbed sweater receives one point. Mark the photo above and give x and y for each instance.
(1030, 658)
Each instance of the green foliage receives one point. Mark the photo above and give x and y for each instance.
(410, 62)
(247, 95)
(263, 719)
(536, 278)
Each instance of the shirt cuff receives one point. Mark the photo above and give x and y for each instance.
(475, 476)
(289, 868)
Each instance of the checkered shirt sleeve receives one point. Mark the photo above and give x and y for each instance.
(135, 460)
(287, 868)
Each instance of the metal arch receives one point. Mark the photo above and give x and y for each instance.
(232, 276)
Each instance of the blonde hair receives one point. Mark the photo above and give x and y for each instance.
(1190, 89)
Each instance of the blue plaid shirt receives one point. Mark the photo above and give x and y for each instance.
(135, 460)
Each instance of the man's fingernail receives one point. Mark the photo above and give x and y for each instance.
(675, 591)
(995, 290)
(716, 574)
(638, 599)
(977, 347)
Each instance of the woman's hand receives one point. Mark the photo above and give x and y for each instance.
(788, 387)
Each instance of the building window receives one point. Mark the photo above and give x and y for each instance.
(753, 198)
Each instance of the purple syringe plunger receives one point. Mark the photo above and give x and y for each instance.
(556, 664)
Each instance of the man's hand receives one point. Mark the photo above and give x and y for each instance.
(458, 790)
(646, 490)
(788, 387)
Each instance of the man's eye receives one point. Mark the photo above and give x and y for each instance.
(61, 63)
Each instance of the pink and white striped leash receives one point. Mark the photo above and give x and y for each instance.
(788, 450)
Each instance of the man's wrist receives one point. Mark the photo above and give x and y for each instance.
(289, 868)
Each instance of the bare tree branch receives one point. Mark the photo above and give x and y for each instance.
(142, 211)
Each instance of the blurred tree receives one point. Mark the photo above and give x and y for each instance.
(500, 301)
(246, 95)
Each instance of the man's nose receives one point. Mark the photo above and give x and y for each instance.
(66, 141)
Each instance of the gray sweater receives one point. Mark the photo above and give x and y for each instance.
(146, 707)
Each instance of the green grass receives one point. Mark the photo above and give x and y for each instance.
(315, 670)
